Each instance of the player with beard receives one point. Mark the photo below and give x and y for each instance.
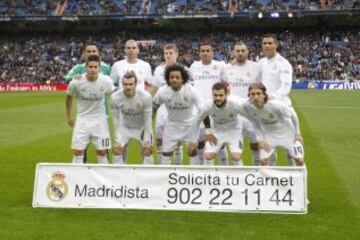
(226, 125)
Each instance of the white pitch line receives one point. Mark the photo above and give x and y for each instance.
(329, 107)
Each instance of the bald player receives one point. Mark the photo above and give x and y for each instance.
(141, 68)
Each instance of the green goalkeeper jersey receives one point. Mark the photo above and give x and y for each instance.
(81, 69)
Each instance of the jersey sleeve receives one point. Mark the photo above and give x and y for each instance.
(285, 79)
(196, 98)
(115, 112)
(158, 79)
(71, 89)
(288, 112)
(148, 74)
(257, 70)
(114, 74)
(105, 69)
(157, 100)
(74, 71)
(109, 85)
(147, 116)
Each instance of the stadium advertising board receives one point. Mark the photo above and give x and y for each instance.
(197, 188)
(34, 87)
(329, 85)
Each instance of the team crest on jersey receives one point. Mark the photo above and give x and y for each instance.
(102, 88)
(271, 115)
(214, 67)
(138, 105)
(186, 99)
(231, 115)
(57, 188)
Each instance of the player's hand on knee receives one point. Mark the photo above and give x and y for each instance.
(255, 146)
(192, 147)
(265, 146)
(147, 149)
(211, 138)
(265, 162)
(117, 149)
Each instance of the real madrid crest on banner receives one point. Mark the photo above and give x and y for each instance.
(57, 188)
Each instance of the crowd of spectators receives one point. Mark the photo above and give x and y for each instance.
(105, 7)
(315, 55)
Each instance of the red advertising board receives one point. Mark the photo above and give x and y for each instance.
(34, 87)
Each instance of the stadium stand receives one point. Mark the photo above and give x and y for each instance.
(313, 54)
(105, 7)
(316, 54)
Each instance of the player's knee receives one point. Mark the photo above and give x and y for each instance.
(78, 152)
(167, 154)
(193, 153)
(201, 145)
(209, 156)
(299, 162)
(254, 146)
(117, 149)
(265, 162)
(236, 156)
(101, 152)
(147, 151)
(159, 142)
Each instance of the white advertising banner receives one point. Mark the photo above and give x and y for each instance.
(198, 188)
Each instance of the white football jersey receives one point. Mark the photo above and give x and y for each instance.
(91, 95)
(275, 121)
(205, 76)
(159, 76)
(141, 68)
(181, 105)
(136, 112)
(239, 78)
(277, 76)
(224, 118)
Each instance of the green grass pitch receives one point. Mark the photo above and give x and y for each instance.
(33, 129)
